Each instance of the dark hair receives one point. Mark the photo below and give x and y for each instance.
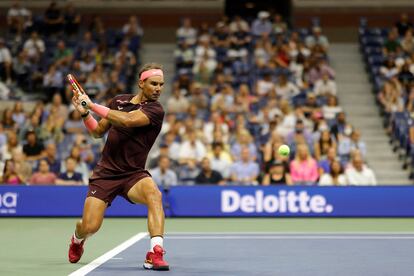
(341, 170)
(149, 66)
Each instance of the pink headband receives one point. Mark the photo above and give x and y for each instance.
(152, 72)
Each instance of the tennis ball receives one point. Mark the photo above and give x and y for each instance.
(284, 150)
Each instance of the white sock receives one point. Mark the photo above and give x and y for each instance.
(157, 240)
(76, 239)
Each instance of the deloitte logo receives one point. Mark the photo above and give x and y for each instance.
(283, 202)
(8, 203)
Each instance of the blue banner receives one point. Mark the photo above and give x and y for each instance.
(270, 201)
(66, 201)
(219, 201)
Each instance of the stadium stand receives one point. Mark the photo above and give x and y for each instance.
(263, 85)
(37, 52)
(389, 54)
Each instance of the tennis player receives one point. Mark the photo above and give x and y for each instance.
(133, 122)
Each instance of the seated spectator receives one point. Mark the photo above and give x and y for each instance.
(43, 176)
(34, 47)
(74, 124)
(186, 32)
(132, 28)
(33, 148)
(244, 140)
(262, 25)
(265, 86)
(69, 176)
(407, 43)
(192, 149)
(220, 159)
(322, 146)
(321, 68)
(10, 176)
(184, 56)
(317, 38)
(331, 109)
(358, 173)
(177, 103)
(245, 171)
(81, 166)
(325, 86)
(188, 172)
(391, 44)
(19, 19)
(341, 125)
(53, 81)
(325, 162)
(51, 158)
(388, 70)
(311, 106)
(347, 144)
(197, 96)
(299, 134)
(18, 114)
(277, 175)
(12, 144)
(403, 25)
(63, 55)
(238, 24)
(286, 89)
(208, 175)
(53, 19)
(71, 19)
(335, 177)
(22, 168)
(5, 62)
(304, 169)
(279, 26)
(163, 175)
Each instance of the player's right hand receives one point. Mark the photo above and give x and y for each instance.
(77, 104)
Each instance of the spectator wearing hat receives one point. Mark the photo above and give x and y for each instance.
(262, 25)
(277, 175)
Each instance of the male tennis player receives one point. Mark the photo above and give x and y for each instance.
(133, 123)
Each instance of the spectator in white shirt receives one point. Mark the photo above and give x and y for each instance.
(34, 46)
(331, 109)
(325, 86)
(335, 177)
(177, 103)
(132, 27)
(186, 32)
(191, 149)
(239, 25)
(5, 61)
(358, 173)
(286, 89)
(220, 159)
(317, 38)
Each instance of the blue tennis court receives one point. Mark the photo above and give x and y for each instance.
(266, 254)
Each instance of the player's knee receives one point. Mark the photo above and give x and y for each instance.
(91, 227)
(154, 196)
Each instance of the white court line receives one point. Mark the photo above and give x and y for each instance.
(291, 237)
(108, 255)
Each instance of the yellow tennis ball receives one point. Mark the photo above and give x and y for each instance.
(284, 150)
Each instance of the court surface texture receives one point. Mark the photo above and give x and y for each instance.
(223, 246)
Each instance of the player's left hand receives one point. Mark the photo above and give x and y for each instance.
(83, 98)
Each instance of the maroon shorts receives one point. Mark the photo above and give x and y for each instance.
(106, 184)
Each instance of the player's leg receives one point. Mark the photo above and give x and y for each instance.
(147, 192)
(93, 213)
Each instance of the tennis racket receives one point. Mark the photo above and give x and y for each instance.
(76, 87)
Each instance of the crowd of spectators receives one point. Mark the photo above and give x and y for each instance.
(390, 56)
(48, 144)
(241, 90)
(39, 50)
